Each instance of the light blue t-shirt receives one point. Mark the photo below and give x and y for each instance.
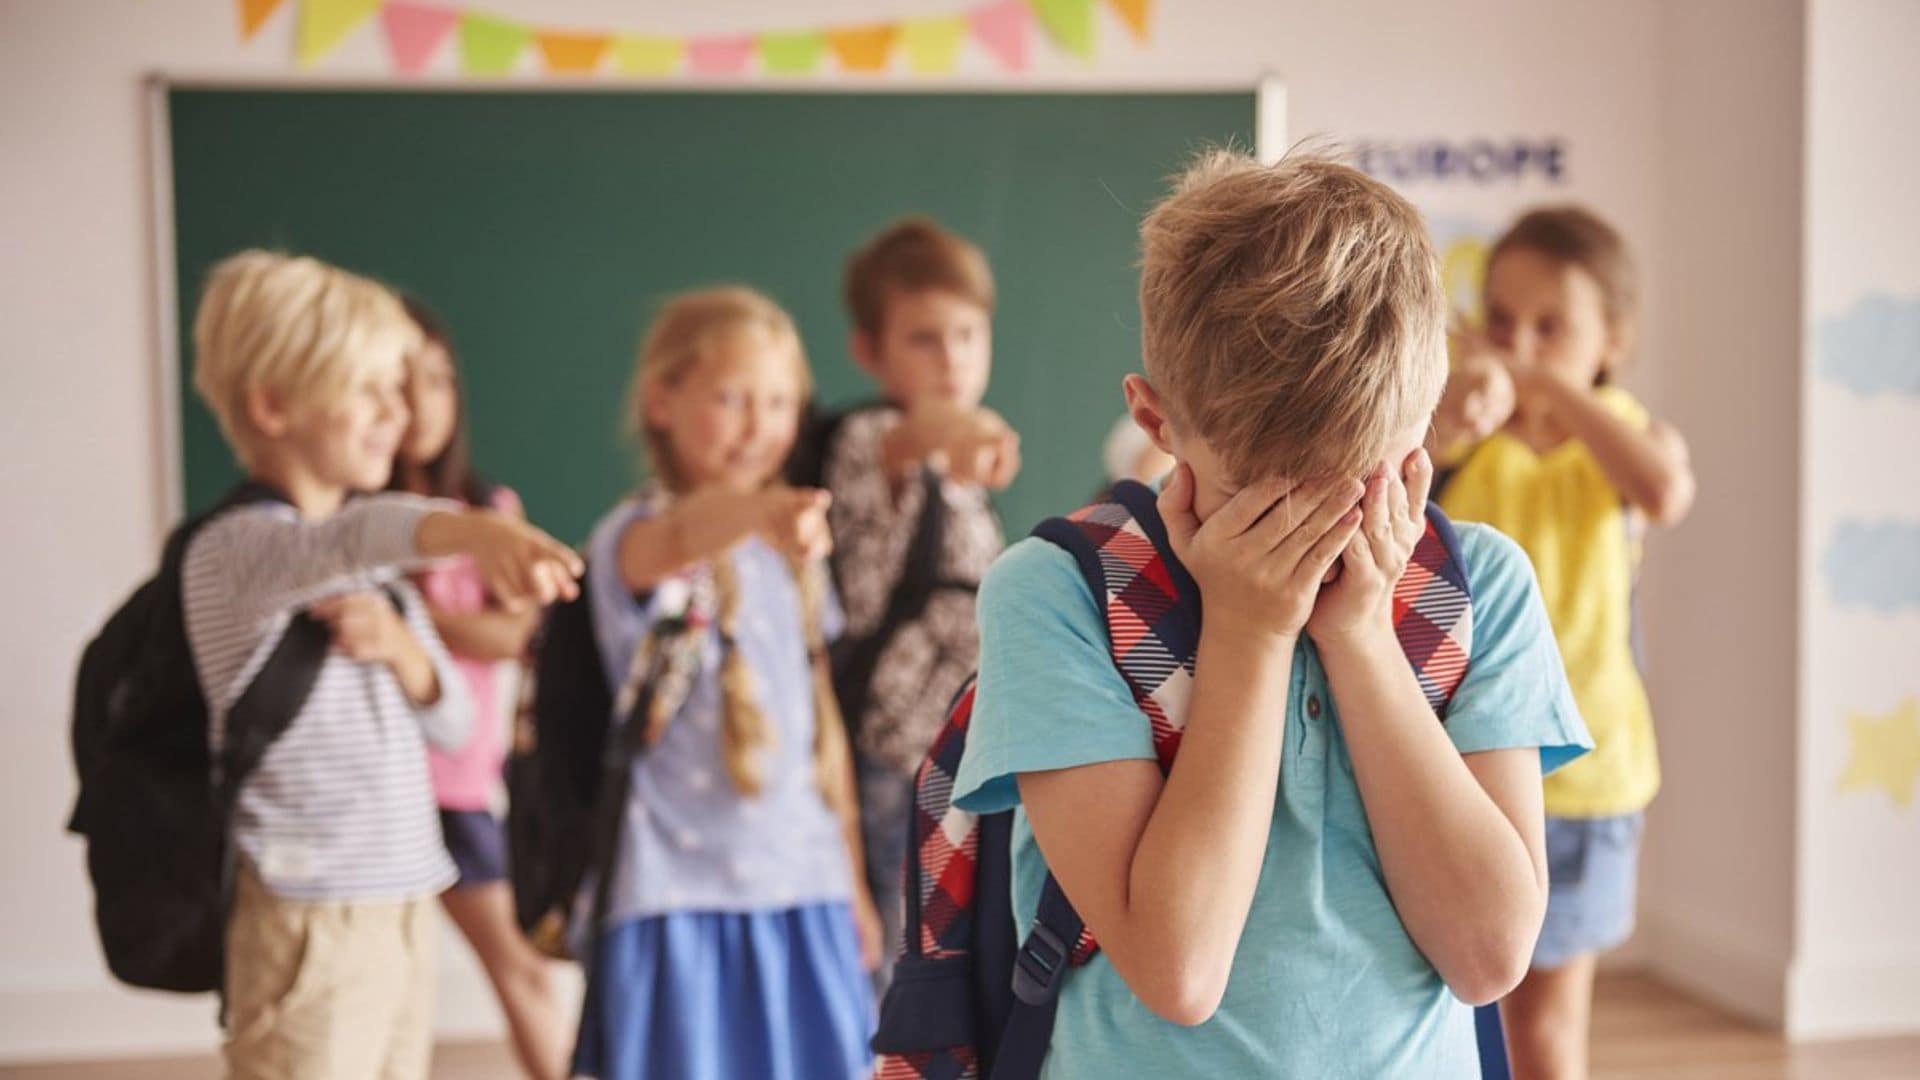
(690, 841)
(1326, 982)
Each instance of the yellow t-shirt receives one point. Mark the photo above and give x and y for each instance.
(1584, 544)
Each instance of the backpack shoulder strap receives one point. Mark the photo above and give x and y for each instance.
(1152, 611)
(1433, 611)
(267, 705)
(856, 660)
(1150, 603)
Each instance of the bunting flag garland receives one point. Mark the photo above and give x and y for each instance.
(1070, 23)
(720, 55)
(792, 54)
(490, 46)
(933, 45)
(254, 14)
(641, 54)
(324, 24)
(864, 48)
(1000, 32)
(1003, 30)
(415, 33)
(572, 54)
(1136, 14)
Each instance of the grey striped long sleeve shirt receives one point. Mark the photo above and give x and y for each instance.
(341, 807)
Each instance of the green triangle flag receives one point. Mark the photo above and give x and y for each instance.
(1070, 22)
(324, 24)
(490, 46)
(792, 54)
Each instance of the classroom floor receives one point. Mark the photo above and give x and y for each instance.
(1642, 1030)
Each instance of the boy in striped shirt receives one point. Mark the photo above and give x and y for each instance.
(329, 942)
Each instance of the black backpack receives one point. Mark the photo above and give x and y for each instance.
(569, 775)
(554, 772)
(153, 808)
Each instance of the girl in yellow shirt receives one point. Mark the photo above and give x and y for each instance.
(1538, 441)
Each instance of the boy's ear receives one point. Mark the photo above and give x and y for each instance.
(865, 352)
(1144, 405)
(267, 413)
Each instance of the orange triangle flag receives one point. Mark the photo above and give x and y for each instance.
(1135, 13)
(572, 54)
(863, 48)
(254, 14)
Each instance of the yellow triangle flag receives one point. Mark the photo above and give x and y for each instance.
(863, 48)
(1136, 14)
(324, 24)
(933, 45)
(254, 14)
(638, 54)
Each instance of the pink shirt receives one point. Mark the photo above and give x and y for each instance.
(463, 779)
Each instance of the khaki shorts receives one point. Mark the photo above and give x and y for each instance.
(318, 990)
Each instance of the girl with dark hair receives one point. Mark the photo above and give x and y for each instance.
(487, 643)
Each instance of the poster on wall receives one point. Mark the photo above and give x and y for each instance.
(1469, 187)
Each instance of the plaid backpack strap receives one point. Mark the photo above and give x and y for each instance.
(946, 866)
(1152, 612)
(1151, 604)
(1433, 611)
(927, 1027)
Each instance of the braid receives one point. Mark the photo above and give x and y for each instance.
(831, 761)
(744, 726)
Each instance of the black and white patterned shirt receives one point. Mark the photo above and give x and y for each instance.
(873, 521)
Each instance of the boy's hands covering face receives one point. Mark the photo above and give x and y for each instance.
(1393, 518)
(1260, 559)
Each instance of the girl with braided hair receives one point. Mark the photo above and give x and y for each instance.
(737, 934)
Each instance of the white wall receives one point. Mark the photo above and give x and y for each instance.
(1858, 963)
(1719, 592)
(78, 464)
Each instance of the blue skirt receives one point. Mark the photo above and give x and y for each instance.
(698, 995)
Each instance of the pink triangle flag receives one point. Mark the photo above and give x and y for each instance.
(720, 55)
(1004, 28)
(415, 32)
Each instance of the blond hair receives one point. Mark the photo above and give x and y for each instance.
(913, 255)
(292, 326)
(681, 333)
(1291, 315)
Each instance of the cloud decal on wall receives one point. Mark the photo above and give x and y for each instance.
(1874, 565)
(1874, 346)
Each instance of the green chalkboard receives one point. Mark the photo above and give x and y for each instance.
(546, 226)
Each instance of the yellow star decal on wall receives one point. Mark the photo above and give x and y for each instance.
(1886, 752)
